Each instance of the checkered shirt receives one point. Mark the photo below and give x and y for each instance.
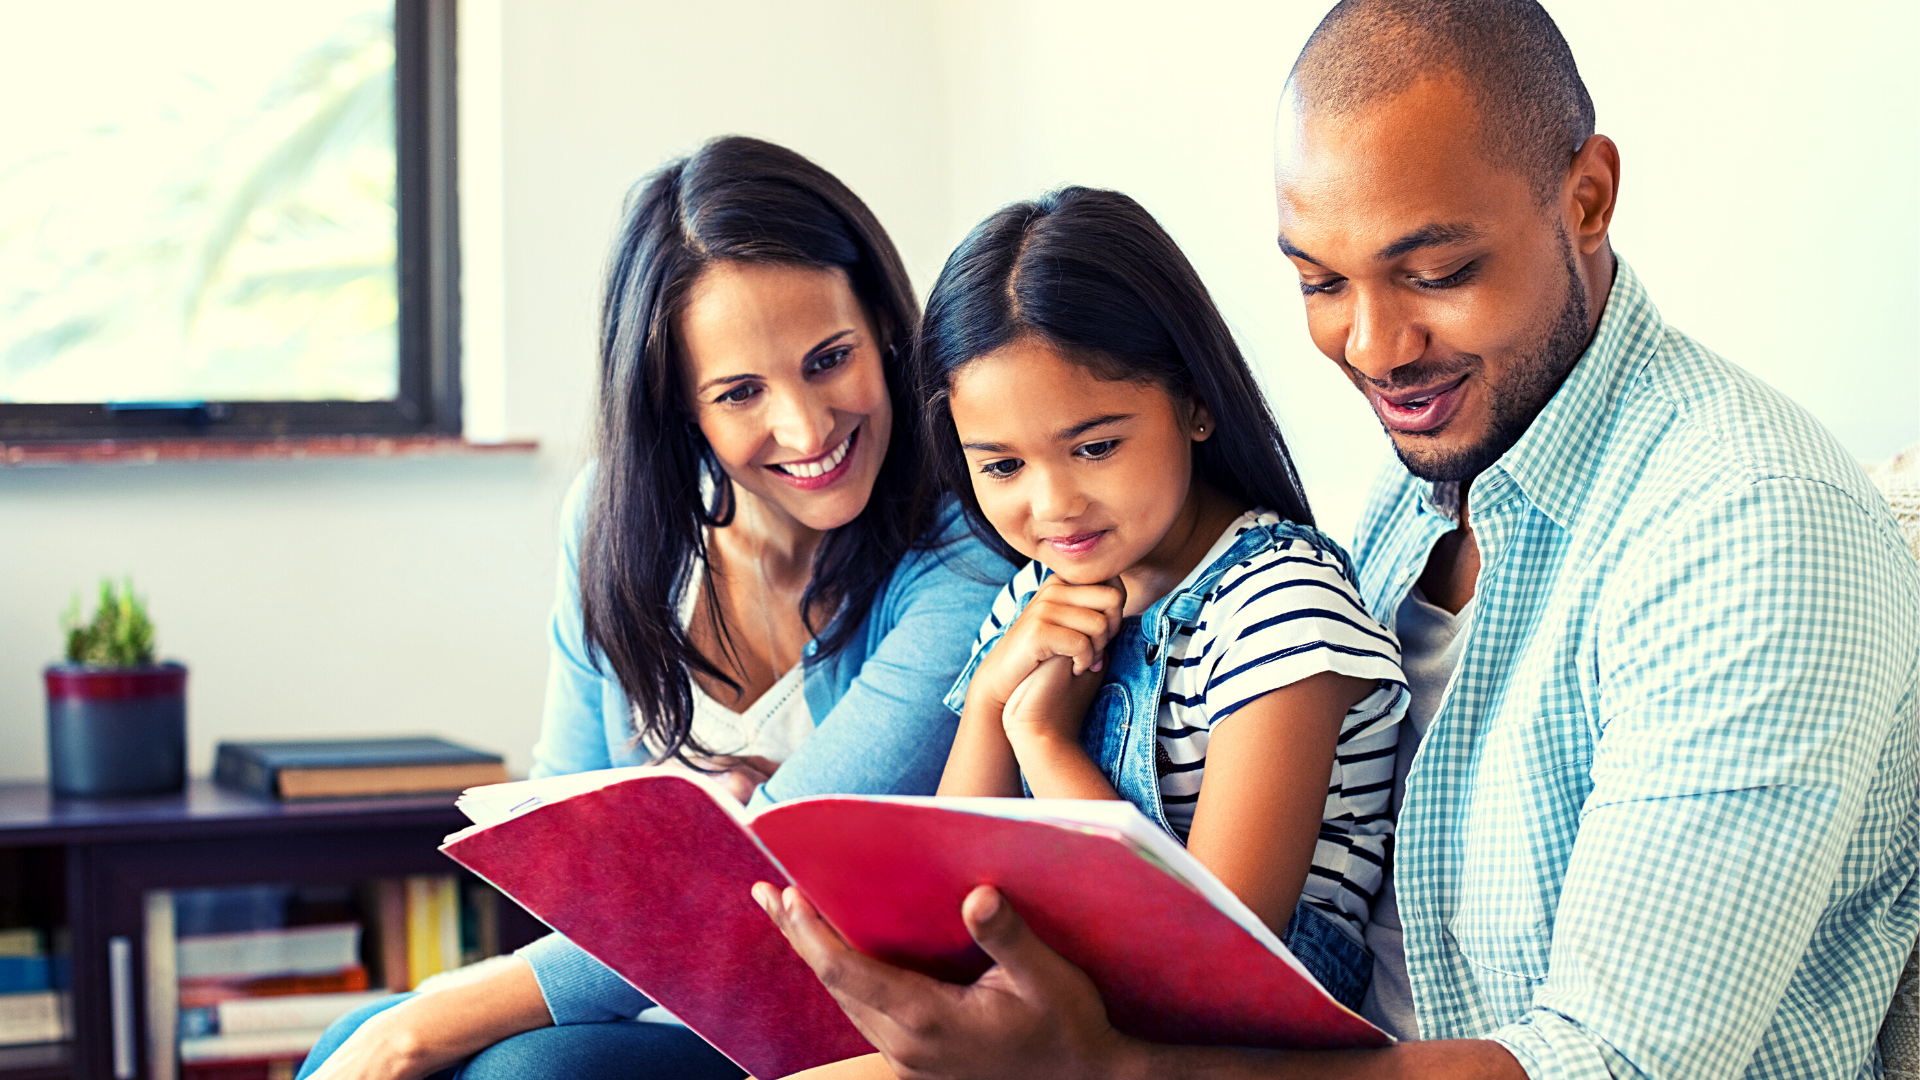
(1664, 822)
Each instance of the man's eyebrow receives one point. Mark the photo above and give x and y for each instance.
(1426, 236)
(1287, 248)
(726, 380)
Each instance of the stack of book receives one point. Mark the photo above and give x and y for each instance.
(250, 995)
(354, 768)
(33, 1001)
(251, 1004)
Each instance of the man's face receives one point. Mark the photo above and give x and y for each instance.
(1436, 281)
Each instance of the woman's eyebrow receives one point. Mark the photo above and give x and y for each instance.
(830, 339)
(726, 380)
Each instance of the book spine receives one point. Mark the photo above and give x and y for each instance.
(21, 974)
(293, 951)
(252, 1044)
(197, 993)
(292, 1012)
(446, 899)
(35, 1017)
(238, 770)
(163, 987)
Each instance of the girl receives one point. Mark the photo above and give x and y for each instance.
(755, 576)
(1182, 637)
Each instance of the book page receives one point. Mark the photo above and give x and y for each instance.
(1150, 841)
(492, 804)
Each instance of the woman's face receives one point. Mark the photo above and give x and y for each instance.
(783, 370)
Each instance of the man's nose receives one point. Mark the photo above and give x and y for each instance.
(801, 420)
(1382, 336)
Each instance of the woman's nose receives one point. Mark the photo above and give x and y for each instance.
(801, 421)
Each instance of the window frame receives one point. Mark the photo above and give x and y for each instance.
(428, 273)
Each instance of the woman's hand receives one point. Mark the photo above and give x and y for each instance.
(420, 1037)
(1071, 621)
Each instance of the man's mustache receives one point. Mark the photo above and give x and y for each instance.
(1420, 373)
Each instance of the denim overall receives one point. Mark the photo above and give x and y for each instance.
(1120, 734)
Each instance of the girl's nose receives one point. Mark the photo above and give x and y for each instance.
(1054, 499)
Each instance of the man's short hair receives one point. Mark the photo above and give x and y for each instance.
(1534, 110)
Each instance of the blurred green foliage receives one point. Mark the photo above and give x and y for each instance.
(119, 635)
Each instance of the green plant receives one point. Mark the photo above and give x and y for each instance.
(119, 635)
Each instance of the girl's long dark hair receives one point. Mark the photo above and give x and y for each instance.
(1093, 274)
(742, 200)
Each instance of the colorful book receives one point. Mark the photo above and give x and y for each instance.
(293, 950)
(433, 927)
(202, 992)
(650, 871)
(37, 1016)
(257, 1045)
(347, 768)
(285, 1012)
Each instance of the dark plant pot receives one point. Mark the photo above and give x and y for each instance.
(116, 731)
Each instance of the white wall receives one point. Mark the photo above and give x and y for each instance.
(1772, 212)
(345, 597)
(1771, 191)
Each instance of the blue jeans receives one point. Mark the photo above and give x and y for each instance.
(624, 1049)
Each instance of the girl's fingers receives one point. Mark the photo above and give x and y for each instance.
(1076, 646)
(1107, 595)
(1088, 622)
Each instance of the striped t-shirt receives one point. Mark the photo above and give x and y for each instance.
(1288, 613)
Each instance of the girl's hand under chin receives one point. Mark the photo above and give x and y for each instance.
(1069, 622)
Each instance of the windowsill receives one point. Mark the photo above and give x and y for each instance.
(152, 451)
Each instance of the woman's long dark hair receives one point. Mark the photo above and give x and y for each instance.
(734, 200)
(1094, 275)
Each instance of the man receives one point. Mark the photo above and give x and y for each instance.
(1660, 631)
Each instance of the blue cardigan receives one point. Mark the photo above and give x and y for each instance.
(879, 725)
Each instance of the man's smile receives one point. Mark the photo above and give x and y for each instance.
(1421, 411)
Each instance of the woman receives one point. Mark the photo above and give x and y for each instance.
(756, 579)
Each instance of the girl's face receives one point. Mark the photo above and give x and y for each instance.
(1084, 474)
(785, 380)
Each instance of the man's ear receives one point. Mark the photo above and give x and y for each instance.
(1592, 189)
(1200, 425)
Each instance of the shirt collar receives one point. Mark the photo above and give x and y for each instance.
(1553, 464)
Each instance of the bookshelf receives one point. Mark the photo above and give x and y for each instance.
(97, 869)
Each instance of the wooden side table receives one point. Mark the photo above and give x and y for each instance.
(103, 857)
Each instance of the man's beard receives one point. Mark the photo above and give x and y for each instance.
(1512, 407)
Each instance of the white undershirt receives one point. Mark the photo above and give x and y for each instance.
(1430, 644)
(772, 727)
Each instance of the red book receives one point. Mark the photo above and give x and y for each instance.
(650, 871)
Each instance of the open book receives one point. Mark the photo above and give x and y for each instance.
(650, 871)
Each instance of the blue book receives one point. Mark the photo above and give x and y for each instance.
(354, 768)
(19, 974)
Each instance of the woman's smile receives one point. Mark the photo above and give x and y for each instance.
(812, 474)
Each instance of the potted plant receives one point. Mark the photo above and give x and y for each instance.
(116, 721)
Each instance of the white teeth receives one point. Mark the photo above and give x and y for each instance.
(820, 466)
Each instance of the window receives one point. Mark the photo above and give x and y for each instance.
(227, 218)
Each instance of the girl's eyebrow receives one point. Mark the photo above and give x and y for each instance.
(728, 379)
(1085, 426)
(1073, 432)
